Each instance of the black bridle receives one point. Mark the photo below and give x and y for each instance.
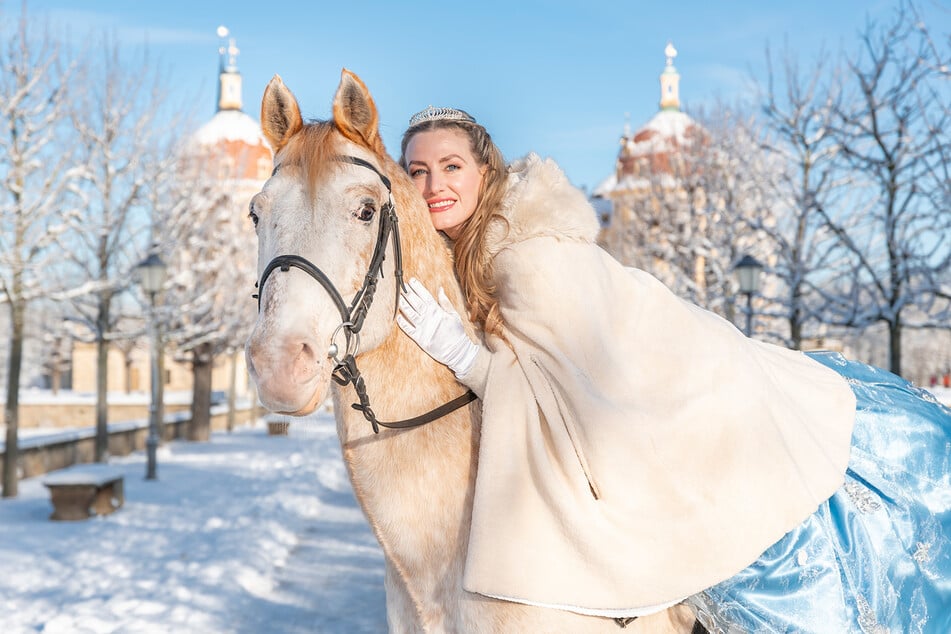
(352, 317)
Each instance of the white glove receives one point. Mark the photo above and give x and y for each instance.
(436, 328)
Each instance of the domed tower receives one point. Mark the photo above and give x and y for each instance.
(241, 152)
(653, 148)
(647, 205)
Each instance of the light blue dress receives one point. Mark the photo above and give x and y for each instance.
(876, 556)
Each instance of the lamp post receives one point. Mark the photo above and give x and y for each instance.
(748, 271)
(152, 276)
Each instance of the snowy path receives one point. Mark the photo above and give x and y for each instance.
(333, 579)
(328, 585)
(246, 534)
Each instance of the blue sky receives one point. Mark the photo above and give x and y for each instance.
(557, 77)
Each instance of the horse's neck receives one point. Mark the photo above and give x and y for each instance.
(402, 381)
(414, 485)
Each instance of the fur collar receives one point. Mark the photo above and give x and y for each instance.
(541, 202)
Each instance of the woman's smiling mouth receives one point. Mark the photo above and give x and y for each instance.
(442, 204)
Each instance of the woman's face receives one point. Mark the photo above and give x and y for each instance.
(447, 175)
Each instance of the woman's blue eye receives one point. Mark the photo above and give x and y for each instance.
(417, 172)
(452, 168)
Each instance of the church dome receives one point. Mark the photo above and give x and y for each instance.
(239, 149)
(666, 130)
(648, 151)
(230, 126)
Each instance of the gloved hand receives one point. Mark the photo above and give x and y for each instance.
(436, 328)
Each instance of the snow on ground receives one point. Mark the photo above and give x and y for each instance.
(943, 394)
(247, 534)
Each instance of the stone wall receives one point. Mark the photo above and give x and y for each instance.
(41, 454)
(83, 413)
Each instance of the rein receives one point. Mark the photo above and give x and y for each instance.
(352, 317)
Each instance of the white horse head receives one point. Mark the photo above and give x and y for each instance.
(330, 190)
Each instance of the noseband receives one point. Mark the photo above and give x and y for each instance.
(352, 317)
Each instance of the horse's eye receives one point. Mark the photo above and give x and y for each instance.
(252, 214)
(366, 212)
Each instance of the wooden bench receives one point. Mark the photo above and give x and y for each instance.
(80, 492)
(277, 428)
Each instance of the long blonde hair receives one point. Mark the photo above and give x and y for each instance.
(472, 263)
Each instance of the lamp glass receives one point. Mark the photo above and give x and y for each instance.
(151, 273)
(748, 271)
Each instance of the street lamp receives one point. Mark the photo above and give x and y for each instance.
(151, 273)
(748, 271)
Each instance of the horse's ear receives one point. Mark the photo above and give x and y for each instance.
(355, 113)
(280, 114)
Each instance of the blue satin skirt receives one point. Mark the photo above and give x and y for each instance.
(876, 556)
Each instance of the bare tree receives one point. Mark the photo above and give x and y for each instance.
(798, 112)
(895, 137)
(117, 121)
(936, 95)
(687, 205)
(733, 175)
(212, 268)
(35, 171)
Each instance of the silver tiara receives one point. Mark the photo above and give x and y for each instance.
(440, 114)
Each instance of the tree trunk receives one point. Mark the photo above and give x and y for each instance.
(11, 411)
(102, 378)
(795, 317)
(199, 428)
(255, 410)
(795, 332)
(232, 389)
(102, 403)
(894, 346)
(127, 377)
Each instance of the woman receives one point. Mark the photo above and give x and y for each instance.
(637, 451)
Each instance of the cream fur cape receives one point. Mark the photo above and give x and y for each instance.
(635, 449)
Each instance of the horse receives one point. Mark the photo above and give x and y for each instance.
(339, 218)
